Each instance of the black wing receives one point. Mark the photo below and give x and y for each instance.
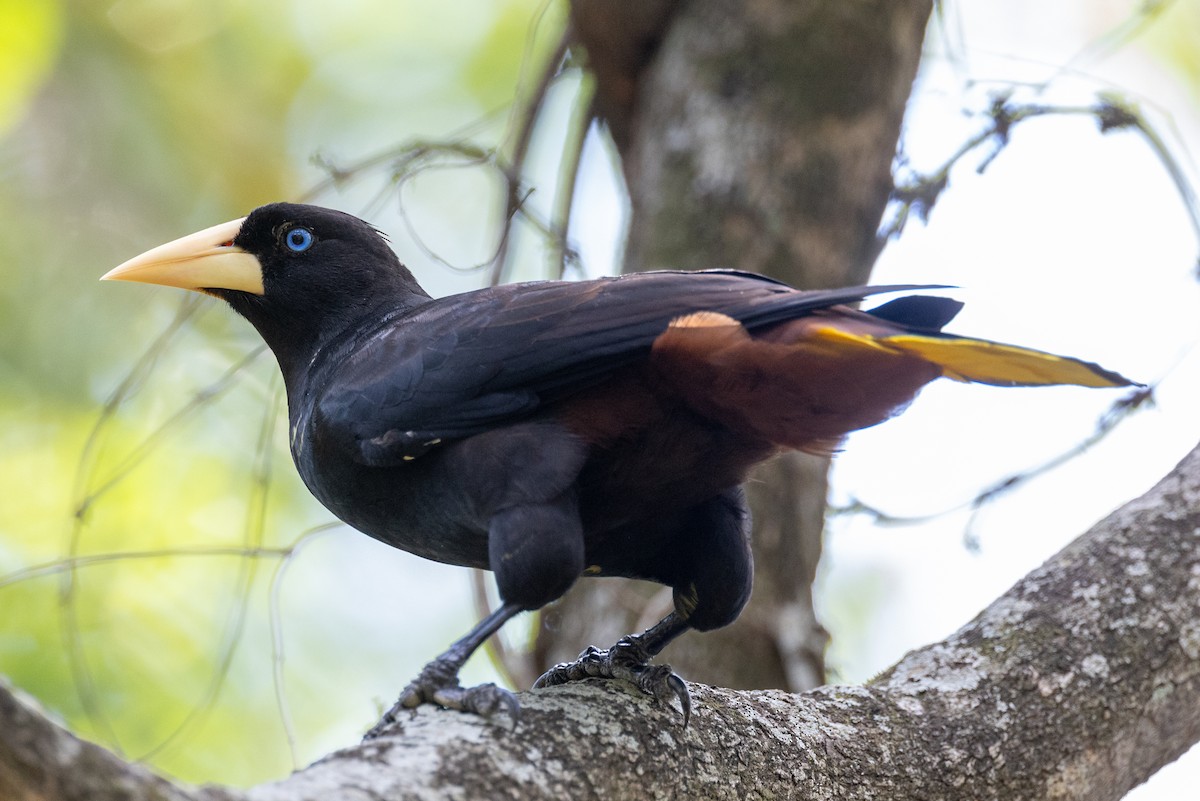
(467, 363)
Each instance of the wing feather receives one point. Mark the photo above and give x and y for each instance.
(467, 363)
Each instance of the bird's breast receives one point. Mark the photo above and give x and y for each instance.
(413, 506)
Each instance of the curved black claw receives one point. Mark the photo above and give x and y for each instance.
(438, 684)
(626, 660)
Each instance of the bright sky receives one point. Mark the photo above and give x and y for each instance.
(1066, 233)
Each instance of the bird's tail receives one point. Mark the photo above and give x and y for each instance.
(808, 382)
(982, 361)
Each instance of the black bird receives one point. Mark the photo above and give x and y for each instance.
(553, 430)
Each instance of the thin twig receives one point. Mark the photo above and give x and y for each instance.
(256, 514)
(526, 122)
(275, 615)
(562, 254)
(1136, 400)
(919, 193)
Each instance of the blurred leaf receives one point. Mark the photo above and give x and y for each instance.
(1173, 37)
(513, 50)
(30, 37)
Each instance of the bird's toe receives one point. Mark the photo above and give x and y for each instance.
(484, 700)
(438, 686)
(629, 662)
(591, 663)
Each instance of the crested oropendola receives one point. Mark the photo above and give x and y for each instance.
(551, 430)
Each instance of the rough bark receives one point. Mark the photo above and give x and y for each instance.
(757, 135)
(39, 761)
(1078, 683)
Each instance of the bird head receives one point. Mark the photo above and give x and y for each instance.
(298, 273)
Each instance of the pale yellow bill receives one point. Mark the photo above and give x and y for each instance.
(207, 259)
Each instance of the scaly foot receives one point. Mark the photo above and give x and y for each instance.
(438, 684)
(628, 660)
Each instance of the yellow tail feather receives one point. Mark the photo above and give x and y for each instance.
(984, 362)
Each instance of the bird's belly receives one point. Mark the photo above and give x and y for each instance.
(408, 506)
(636, 494)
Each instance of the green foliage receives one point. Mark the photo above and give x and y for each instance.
(1172, 36)
(152, 592)
(30, 37)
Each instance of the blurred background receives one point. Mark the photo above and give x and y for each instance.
(167, 586)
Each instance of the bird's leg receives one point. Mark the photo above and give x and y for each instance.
(712, 578)
(438, 681)
(630, 659)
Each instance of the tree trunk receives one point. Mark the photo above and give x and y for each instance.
(1079, 683)
(757, 136)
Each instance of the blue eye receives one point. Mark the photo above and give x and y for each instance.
(298, 240)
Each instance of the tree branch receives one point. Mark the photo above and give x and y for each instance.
(40, 761)
(1078, 683)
